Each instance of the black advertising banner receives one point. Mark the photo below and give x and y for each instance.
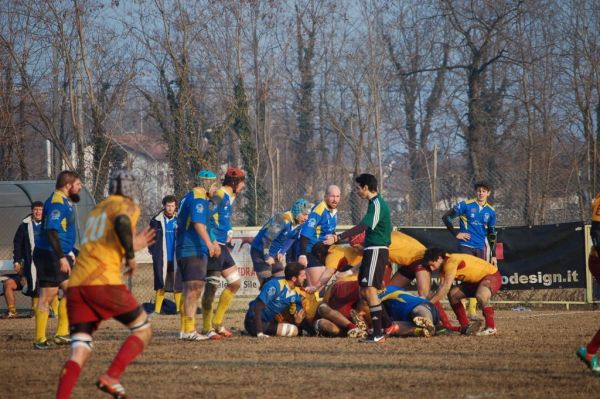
(549, 256)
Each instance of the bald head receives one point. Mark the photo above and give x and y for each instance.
(332, 196)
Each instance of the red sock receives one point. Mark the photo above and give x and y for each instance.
(132, 347)
(488, 313)
(68, 379)
(444, 318)
(461, 314)
(594, 344)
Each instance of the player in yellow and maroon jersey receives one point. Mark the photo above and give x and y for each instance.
(589, 353)
(480, 280)
(97, 292)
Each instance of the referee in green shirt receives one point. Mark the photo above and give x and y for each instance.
(377, 224)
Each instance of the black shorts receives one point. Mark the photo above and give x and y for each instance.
(16, 278)
(259, 265)
(193, 268)
(270, 327)
(48, 269)
(222, 262)
(372, 267)
(313, 261)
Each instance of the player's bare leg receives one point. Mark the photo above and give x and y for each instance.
(191, 293)
(483, 295)
(340, 321)
(327, 328)
(313, 274)
(10, 286)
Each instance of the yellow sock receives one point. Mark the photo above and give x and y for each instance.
(158, 300)
(41, 322)
(182, 324)
(62, 328)
(12, 309)
(54, 306)
(34, 303)
(189, 324)
(472, 307)
(178, 298)
(224, 303)
(207, 316)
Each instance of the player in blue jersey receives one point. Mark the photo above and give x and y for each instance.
(270, 245)
(54, 256)
(192, 249)
(223, 264)
(477, 229)
(277, 296)
(414, 315)
(321, 222)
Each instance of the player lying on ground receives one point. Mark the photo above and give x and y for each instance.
(96, 289)
(414, 315)
(276, 296)
(480, 280)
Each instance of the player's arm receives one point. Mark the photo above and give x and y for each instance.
(443, 289)
(323, 280)
(54, 241)
(259, 306)
(359, 228)
(448, 218)
(203, 233)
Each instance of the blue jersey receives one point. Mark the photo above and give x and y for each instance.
(321, 222)
(277, 297)
(170, 229)
(37, 230)
(399, 303)
(58, 215)
(193, 208)
(220, 221)
(274, 235)
(476, 220)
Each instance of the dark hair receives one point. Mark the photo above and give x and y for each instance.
(483, 184)
(368, 180)
(293, 269)
(37, 204)
(432, 254)
(66, 177)
(168, 199)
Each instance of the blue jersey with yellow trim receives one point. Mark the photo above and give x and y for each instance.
(277, 297)
(273, 236)
(475, 220)
(170, 229)
(58, 215)
(399, 303)
(193, 208)
(321, 222)
(220, 220)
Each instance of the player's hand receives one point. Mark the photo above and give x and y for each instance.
(144, 238)
(280, 258)
(64, 265)
(302, 260)
(299, 316)
(217, 249)
(494, 261)
(17, 267)
(311, 289)
(130, 267)
(463, 236)
(262, 335)
(72, 256)
(330, 239)
(270, 261)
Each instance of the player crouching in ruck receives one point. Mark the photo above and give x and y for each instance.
(480, 280)
(415, 316)
(276, 296)
(96, 289)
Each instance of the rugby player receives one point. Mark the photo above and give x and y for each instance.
(96, 289)
(268, 247)
(193, 246)
(480, 280)
(53, 256)
(277, 296)
(415, 315)
(223, 264)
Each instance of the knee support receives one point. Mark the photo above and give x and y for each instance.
(288, 330)
(233, 277)
(82, 340)
(145, 324)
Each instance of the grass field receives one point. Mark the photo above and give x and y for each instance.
(532, 357)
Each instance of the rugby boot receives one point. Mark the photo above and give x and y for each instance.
(192, 336)
(116, 389)
(42, 345)
(472, 328)
(425, 323)
(356, 332)
(224, 332)
(357, 319)
(487, 332)
(212, 335)
(373, 339)
(422, 332)
(590, 360)
(62, 340)
(393, 329)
